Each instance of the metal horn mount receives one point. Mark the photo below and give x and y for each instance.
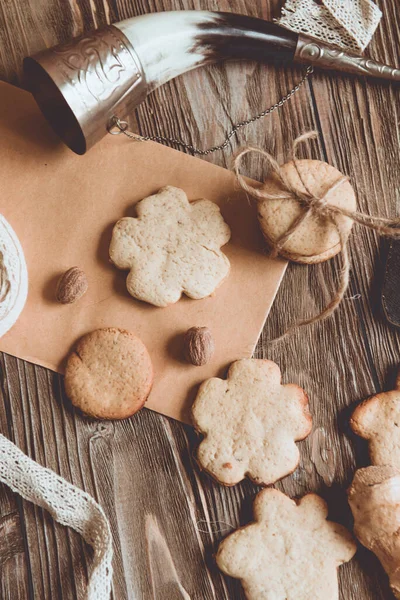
(82, 85)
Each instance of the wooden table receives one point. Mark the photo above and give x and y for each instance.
(142, 470)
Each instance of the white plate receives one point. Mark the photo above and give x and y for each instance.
(13, 277)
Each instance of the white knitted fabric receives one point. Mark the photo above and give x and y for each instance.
(68, 505)
(349, 24)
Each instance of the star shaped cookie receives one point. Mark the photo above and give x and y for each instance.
(290, 552)
(250, 423)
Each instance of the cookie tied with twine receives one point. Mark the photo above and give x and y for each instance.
(306, 210)
(315, 237)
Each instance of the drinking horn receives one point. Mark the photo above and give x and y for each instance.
(82, 85)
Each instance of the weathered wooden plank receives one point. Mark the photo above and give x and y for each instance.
(142, 470)
(14, 566)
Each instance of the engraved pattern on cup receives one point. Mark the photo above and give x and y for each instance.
(101, 62)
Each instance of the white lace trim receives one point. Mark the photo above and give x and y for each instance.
(349, 24)
(68, 505)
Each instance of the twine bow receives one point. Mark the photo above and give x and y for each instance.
(312, 205)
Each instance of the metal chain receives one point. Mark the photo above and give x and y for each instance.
(117, 126)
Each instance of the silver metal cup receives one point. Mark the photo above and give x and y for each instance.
(79, 86)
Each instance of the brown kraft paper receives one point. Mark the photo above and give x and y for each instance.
(63, 208)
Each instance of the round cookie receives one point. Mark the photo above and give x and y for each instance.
(109, 374)
(316, 239)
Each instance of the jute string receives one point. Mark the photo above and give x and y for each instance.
(312, 205)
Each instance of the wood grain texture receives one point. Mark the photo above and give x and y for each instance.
(160, 506)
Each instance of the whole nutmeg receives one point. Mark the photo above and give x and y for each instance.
(71, 286)
(198, 345)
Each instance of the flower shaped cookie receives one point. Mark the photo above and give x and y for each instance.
(290, 552)
(250, 422)
(172, 247)
(377, 419)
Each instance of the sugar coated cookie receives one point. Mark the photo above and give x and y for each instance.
(172, 247)
(109, 374)
(250, 422)
(316, 239)
(290, 552)
(13, 277)
(378, 421)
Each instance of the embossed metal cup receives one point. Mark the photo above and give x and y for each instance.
(79, 86)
